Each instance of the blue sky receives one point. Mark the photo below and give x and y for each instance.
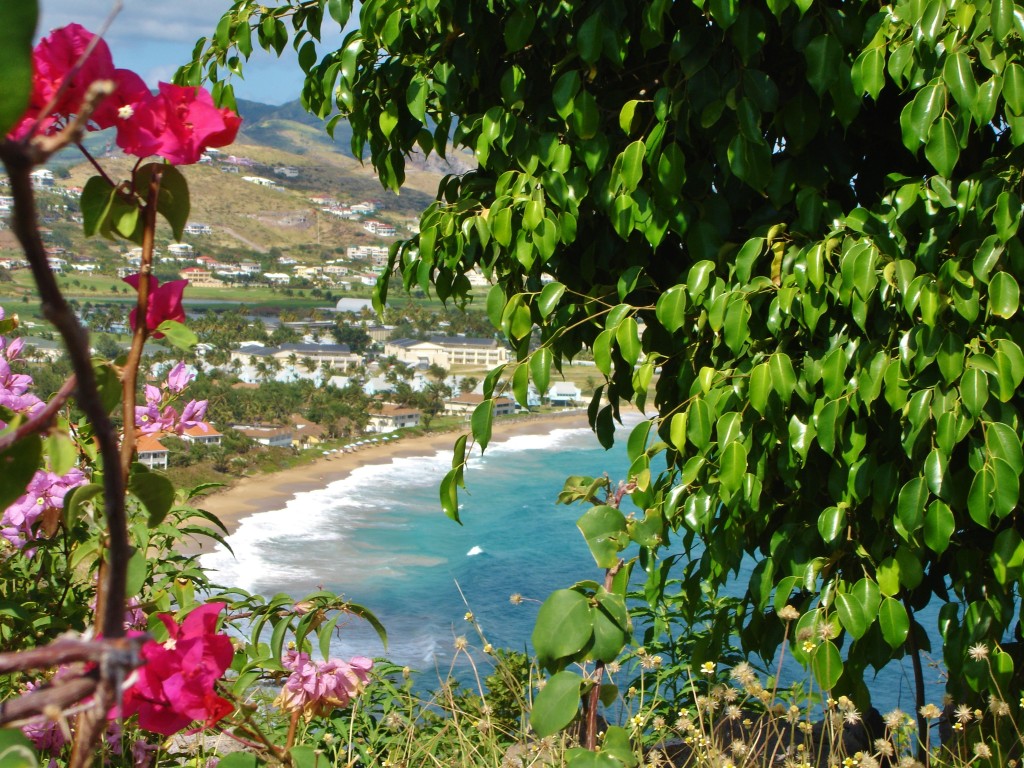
(154, 38)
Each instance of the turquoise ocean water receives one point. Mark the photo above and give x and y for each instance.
(379, 537)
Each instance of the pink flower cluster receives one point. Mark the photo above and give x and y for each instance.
(175, 686)
(46, 491)
(14, 394)
(317, 687)
(177, 123)
(156, 417)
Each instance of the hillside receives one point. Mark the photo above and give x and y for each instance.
(290, 147)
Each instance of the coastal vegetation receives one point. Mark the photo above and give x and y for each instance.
(785, 231)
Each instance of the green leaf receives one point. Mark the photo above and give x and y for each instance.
(173, 202)
(959, 78)
(76, 498)
(416, 97)
(831, 524)
(564, 626)
(617, 744)
(939, 525)
(1003, 295)
(827, 665)
(155, 492)
(178, 334)
(449, 490)
(540, 369)
(94, 203)
(1002, 443)
(980, 504)
(549, 297)
(16, 751)
(911, 503)
(1007, 558)
(483, 414)
(732, 467)
(942, 149)
(868, 73)
(605, 531)
(16, 34)
(824, 56)
(556, 703)
(628, 337)
(671, 308)
(340, 10)
(894, 622)
(61, 451)
(852, 615)
(18, 464)
(974, 390)
(632, 165)
(1002, 18)
(783, 376)
(240, 760)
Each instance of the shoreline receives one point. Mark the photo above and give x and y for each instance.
(267, 492)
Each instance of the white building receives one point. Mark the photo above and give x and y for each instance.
(447, 351)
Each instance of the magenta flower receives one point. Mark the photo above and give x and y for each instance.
(175, 686)
(46, 491)
(178, 378)
(178, 124)
(317, 687)
(164, 302)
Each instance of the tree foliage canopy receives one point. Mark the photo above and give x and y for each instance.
(802, 216)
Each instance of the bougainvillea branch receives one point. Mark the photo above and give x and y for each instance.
(41, 419)
(129, 375)
(18, 162)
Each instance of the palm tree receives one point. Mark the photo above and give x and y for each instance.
(309, 364)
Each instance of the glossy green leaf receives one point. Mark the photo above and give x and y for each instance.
(959, 78)
(974, 390)
(155, 492)
(1003, 295)
(604, 529)
(732, 467)
(942, 149)
(549, 297)
(893, 621)
(16, 36)
(852, 615)
(671, 308)
(556, 704)
(481, 420)
(827, 665)
(564, 625)
(939, 525)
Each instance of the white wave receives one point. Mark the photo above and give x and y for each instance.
(475, 551)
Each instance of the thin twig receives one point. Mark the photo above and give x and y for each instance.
(42, 419)
(130, 372)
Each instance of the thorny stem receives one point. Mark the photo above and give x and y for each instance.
(43, 418)
(129, 375)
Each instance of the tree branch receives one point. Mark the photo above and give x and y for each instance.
(41, 419)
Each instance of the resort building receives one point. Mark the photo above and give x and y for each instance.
(151, 452)
(467, 403)
(275, 437)
(392, 417)
(336, 355)
(195, 228)
(447, 351)
(564, 393)
(203, 433)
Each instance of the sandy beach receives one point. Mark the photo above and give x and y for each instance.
(266, 492)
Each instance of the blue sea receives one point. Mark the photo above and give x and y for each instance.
(378, 536)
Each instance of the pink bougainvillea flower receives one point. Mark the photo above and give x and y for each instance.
(46, 491)
(175, 686)
(192, 415)
(150, 420)
(178, 378)
(317, 687)
(178, 125)
(164, 302)
(53, 60)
